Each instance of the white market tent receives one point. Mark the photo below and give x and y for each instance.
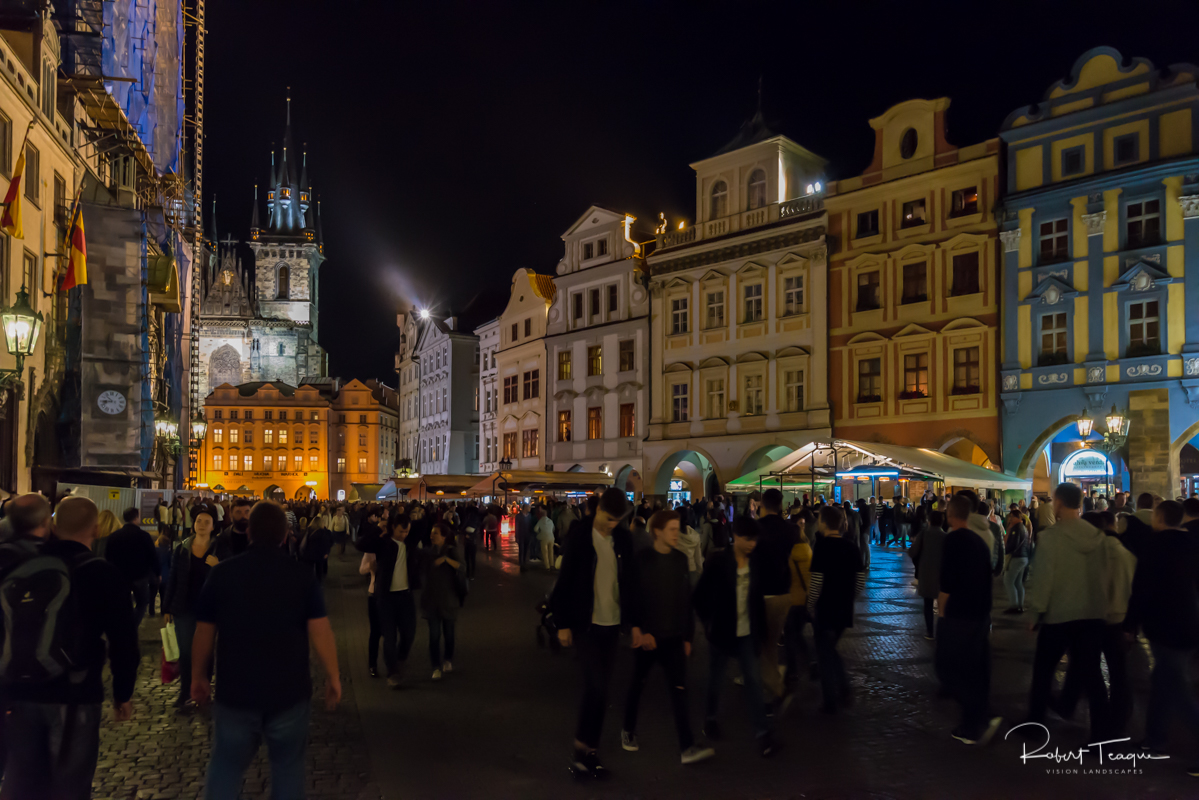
(822, 461)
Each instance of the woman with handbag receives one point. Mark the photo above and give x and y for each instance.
(191, 562)
(442, 596)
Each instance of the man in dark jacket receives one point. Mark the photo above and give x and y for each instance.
(734, 617)
(53, 727)
(837, 576)
(1165, 606)
(593, 596)
(131, 550)
(236, 537)
(770, 563)
(397, 576)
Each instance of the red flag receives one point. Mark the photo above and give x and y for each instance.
(77, 264)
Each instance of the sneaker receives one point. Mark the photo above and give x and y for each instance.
(578, 764)
(436, 674)
(711, 730)
(374, 672)
(767, 746)
(695, 753)
(629, 741)
(446, 666)
(963, 736)
(595, 767)
(393, 681)
(989, 733)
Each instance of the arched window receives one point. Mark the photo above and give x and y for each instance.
(282, 283)
(720, 200)
(757, 189)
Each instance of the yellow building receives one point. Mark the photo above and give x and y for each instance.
(364, 433)
(520, 370)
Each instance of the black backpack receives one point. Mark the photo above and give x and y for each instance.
(42, 627)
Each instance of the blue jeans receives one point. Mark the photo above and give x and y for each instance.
(185, 631)
(52, 751)
(236, 736)
(755, 698)
(1013, 579)
(1170, 692)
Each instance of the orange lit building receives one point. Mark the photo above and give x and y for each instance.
(364, 434)
(913, 290)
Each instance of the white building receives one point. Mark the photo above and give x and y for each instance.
(597, 341)
(489, 343)
(448, 398)
(738, 321)
(408, 369)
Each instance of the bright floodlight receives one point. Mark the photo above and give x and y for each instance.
(424, 313)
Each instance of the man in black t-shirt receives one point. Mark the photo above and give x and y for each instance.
(964, 630)
(837, 576)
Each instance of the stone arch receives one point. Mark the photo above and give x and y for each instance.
(1038, 444)
(761, 456)
(628, 479)
(1176, 451)
(224, 366)
(665, 468)
(955, 436)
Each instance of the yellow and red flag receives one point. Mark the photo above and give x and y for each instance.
(10, 220)
(77, 262)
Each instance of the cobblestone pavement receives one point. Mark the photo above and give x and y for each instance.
(500, 725)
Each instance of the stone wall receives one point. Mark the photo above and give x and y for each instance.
(1149, 443)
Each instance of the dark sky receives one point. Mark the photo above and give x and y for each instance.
(452, 143)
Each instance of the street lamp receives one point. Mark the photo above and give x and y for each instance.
(1113, 438)
(199, 427)
(1085, 425)
(21, 328)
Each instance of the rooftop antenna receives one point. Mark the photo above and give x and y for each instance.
(288, 105)
(759, 94)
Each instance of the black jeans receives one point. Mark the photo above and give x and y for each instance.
(1115, 652)
(1082, 640)
(930, 616)
(833, 679)
(797, 645)
(372, 644)
(670, 654)
(397, 614)
(963, 664)
(471, 552)
(141, 598)
(52, 751)
(437, 626)
(597, 653)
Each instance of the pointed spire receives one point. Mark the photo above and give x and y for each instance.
(304, 168)
(215, 236)
(273, 182)
(320, 237)
(254, 217)
(289, 106)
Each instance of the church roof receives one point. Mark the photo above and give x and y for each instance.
(753, 131)
(250, 389)
(288, 197)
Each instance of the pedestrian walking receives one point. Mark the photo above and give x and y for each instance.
(926, 554)
(192, 560)
(235, 539)
(131, 550)
(544, 536)
(734, 616)
(397, 571)
(837, 577)
(1019, 548)
(665, 624)
(798, 618)
(442, 596)
(53, 719)
(964, 629)
(590, 601)
(368, 567)
(771, 564)
(266, 611)
(689, 544)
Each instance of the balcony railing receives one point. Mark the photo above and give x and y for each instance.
(808, 204)
(744, 220)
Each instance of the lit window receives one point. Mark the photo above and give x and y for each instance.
(753, 303)
(313, 461)
(509, 446)
(362, 465)
(595, 423)
(915, 375)
(870, 380)
(963, 202)
(678, 401)
(628, 422)
(595, 360)
(716, 398)
(913, 214)
(716, 309)
(218, 436)
(753, 395)
(793, 384)
(218, 462)
(234, 433)
(757, 189)
(341, 464)
(248, 463)
(297, 462)
(268, 463)
(528, 447)
(268, 436)
(563, 426)
(283, 436)
(793, 294)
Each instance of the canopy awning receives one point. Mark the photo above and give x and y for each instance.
(436, 485)
(536, 482)
(827, 460)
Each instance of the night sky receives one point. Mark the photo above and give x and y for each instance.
(452, 143)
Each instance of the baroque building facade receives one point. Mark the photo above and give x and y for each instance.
(913, 301)
(597, 340)
(1100, 235)
(738, 331)
(448, 398)
(489, 343)
(260, 324)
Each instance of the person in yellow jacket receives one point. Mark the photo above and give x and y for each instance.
(793, 630)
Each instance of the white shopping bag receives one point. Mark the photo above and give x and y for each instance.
(170, 644)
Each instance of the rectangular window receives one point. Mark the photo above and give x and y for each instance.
(218, 435)
(564, 426)
(753, 395)
(595, 360)
(753, 303)
(965, 274)
(233, 414)
(341, 418)
(316, 416)
(268, 414)
(966, 370)
(283, 436)
(341, 464)
(870, 380)
(867, 224)
(595, 423)
(868, 298)
(595, 303)
(716, 309)
(915, 282)
(1144, 329)
(248, 436)
(1055, 240)
(915, 375)
(268, 463)
(29, 278)
(361, 440)
(532, 384)
(601, 247)
(268, 436)
(509, 446)
(314, 437)
(218, 462)
(514, 333)
(588, 250)
(217, 414)
(1125, 149)
(529, 327)
(678, 402)
(1054, 339)
(627, 357)
(297, 462)
(716, 398)
(283, 415)
(577, 306)
(1144, 223)
(510, 390)
(234, 433)
(362, 417)
(628, 422)
(313, 461)
(1073, 161)
(963, 202)
(678, 315)
(32, 180)
(248, 463)
(5, 145)
(913, 214)
(528, 443)
(362, 465)
(613, 299)
(793, 295)
(793, 384)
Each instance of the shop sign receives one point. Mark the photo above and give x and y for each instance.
(676, 485)
(1086, 464)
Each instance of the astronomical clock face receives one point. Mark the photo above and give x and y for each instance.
(111, 402)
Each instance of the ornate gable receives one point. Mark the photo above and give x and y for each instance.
(227, 296)
(1142, 276)
(1051, 291)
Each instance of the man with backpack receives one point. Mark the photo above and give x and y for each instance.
(28, 517)
(54, 722)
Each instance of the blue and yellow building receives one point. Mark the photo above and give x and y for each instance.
(1100, 285)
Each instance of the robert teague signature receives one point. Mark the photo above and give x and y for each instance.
(1106, 753)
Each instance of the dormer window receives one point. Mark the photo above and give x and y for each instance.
(757, 189)
(588, 251)
(601, 247)
(720, 200)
